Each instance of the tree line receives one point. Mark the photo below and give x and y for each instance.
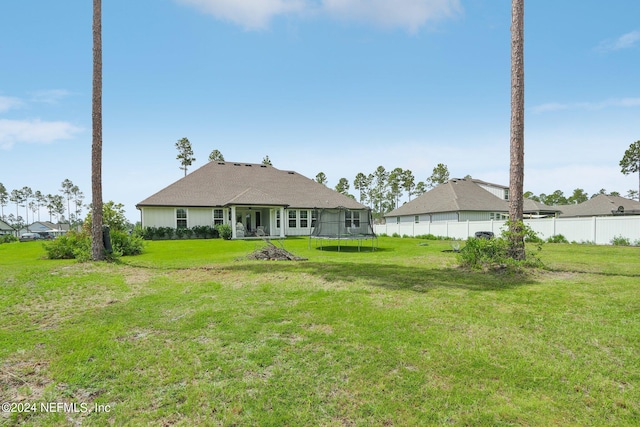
(383, 190)
(69, 200)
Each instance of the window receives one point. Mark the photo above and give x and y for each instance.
(506, 194)
(416, 219)
(356, 219)
(181, 218)
(351, 219)
(314, 217)
(218, 216)
(293, 218)
(278, 218)
(304, 222)
(258, 219)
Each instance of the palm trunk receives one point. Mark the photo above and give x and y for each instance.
(97, 245)
(516, 172)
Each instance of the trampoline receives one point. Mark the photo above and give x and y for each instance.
(342, 225)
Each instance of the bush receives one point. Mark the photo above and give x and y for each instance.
(432, 237)
(557, 238)
(481, 253)
(225, 231)
(77, 245)
(125, 244)
(165, 232)
(197, 231)
(8, 238)
(72, 245)
(484, 253)
(621, 241)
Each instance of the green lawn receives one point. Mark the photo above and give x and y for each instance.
(192, 333)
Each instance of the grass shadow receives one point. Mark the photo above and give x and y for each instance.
(395, 277)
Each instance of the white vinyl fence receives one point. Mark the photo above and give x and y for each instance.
(598, 230)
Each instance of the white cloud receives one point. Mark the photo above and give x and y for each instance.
(250, 14)
(626, 41)
(256, 14)
(592, 106)
(52, 96)
(7, 103)
(34, 131)
(409, 14)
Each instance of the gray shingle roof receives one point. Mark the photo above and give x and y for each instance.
(601, 205)
(4, 226)
(219, 184)
(457, 195)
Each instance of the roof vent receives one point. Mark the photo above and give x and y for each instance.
(236, 164)
(621, 209)
(248, 165)
(291, 173)
(221, 163)
(263, 166)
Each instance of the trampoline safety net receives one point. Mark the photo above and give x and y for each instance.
(343, 224)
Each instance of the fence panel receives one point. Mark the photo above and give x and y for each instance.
(599, 230)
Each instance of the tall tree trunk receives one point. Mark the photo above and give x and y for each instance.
(97, 245)
(516, 170)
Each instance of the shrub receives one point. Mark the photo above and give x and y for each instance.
(165, 232)
(77, 245)
(621, 241)
(180, 232)
(481, 253)
(484, 253)
(148, 233)
(433, 237)
(225, 231)
(557, 238)
(125, 244)
(69, 246)
(8, 238)
(427, 237)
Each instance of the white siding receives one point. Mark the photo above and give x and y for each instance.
(199, 216)
(445, 216)
(496, 191)
(166, 217)
(158, 217)
(475, 216)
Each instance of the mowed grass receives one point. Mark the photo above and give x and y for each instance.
(193, 333)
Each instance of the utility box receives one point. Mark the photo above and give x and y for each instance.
(106, 239)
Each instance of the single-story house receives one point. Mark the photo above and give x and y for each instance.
(254, 199)
(465, 200)
(601, 205)
(45, 227)
(5, 228)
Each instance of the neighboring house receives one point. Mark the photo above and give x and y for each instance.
(45, 227)
(601, 205)
(5, 228)
(465, 200)
(253, 198)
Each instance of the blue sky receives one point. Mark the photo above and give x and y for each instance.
(338, 86)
